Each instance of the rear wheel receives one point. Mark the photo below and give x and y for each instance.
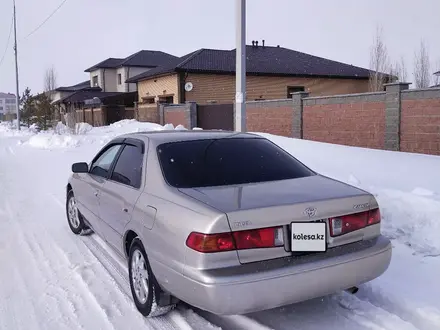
(74, 217)
(144, 287)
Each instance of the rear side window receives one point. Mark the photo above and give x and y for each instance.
(230, 161)
(128, 169)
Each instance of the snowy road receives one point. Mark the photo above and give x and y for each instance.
(52, 279)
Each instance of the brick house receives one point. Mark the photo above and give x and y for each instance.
(272, 73)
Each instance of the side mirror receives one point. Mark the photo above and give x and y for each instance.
(80, 168)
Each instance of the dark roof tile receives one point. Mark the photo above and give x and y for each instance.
(143, 58)
(276, 61)
(77, 87)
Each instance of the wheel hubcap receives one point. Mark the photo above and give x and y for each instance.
(139, 276)
(73, 213)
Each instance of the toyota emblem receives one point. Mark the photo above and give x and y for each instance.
(310, 212)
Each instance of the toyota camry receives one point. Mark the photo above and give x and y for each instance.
(227, 222)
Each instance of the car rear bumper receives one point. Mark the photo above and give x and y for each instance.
(265, 285)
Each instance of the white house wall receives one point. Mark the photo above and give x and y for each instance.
(111, 80)
(96, 73)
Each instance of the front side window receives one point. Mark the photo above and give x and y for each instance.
(102, 165)
(227, 161)
(128, 169)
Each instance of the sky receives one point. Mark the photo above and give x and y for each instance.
(85, 32)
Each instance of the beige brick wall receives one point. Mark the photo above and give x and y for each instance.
(221, 88)
(159, 86)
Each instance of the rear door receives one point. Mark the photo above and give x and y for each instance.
(120, 193)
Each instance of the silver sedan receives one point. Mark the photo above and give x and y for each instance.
(227, 222)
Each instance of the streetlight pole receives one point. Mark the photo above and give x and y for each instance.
(17, 97)
(240, 71)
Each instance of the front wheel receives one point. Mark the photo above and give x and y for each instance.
(74, 217)
(144, 286)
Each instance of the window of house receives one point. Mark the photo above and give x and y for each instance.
(148, 100)
(128, 169)
(119, 79)
(294, 89)
(94, 81)
(166, 99)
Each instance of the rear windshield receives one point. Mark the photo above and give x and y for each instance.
(230, 161)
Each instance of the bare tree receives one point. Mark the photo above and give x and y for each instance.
(422, 74)
(399, 70)
(50, 84)
(50, 81)
(379, 62)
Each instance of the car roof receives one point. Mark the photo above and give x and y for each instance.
(165, 136)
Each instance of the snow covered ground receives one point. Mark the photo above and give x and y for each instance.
(51, 279)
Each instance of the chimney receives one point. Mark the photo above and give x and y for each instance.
(256, 43)
(263, 42)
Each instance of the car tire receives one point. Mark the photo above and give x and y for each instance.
(74, 217)
(144, 287)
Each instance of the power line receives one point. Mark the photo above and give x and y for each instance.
(48, 18)
(7, 43)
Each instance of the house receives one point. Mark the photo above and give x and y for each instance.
(7, 105)
(98, 108)
(106, 89)
(111, 74)
(207, 76)
(61, 92)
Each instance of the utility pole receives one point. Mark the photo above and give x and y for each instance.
(240, 71)
(17, 97)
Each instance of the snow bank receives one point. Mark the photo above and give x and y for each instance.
(10, 129)
(85, 134)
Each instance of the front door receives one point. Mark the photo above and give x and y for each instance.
(119, 194)
(93, 183)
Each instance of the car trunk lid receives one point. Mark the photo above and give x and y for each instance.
(281, 203)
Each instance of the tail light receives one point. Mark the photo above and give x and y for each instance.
(348, 223)
(238, 240)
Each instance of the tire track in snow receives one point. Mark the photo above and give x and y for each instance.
(30, 268)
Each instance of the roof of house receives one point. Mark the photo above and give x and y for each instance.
(7, 96)
(143, 58)
(261, 60)
(82, 95)
(81, 86)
